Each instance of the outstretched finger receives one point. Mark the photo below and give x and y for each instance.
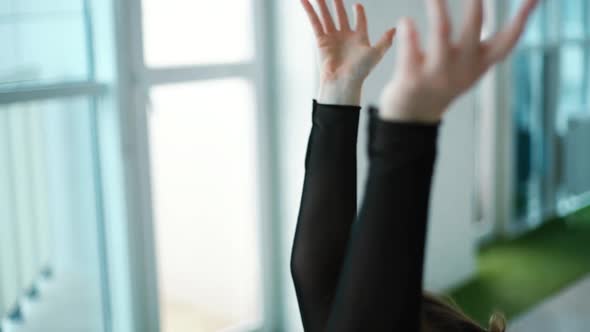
(440, 26)
(326, 17)
(342, 16)
(471, 32)
(384, 44)
(408, 45)
(316, 24)
(361, 18)
(500, 45)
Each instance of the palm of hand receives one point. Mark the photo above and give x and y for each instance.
(346, 55)
(426, 83)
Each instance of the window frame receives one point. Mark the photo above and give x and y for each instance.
(497, 173)
(92, 90)
(140, 79)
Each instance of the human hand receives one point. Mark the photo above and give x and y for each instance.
(346, 55)
(426, 82)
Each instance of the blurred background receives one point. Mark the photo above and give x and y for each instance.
(152, 156)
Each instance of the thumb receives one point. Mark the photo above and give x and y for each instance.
(384, 44)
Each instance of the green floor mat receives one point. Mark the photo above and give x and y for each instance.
(515, 275)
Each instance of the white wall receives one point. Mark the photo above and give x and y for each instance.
(450, 252)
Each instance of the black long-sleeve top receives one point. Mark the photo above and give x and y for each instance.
(363, 273)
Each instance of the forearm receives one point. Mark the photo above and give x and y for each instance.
(381, 284)
(328, 205)
(329, 193)
(328, 209)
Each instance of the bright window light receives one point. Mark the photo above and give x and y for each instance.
(194, 32)
(205, 202)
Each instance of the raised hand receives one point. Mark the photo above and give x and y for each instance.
(347, 56)
(426, 82)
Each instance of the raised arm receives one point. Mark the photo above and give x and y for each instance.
(427, 81)
(328, 204)
(346, 54)
(381, 283)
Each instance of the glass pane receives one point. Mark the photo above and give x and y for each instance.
(35, 36)
(572, 96)
(536, 28)
(6, 7)
(528, 108)
(572, 18)
(205, 201)
(44, 7)
(10, 280)
(552, 20)
(180, 32)
(24, 203)
(48, 152)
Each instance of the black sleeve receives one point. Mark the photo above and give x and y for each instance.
(328, 209)
(381, 282)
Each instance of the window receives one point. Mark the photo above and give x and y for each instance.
(184, 33)
(75, 211)
(52, 271)
(206, 204)
(537, 28)
(571, 83)
(50, 216)
(551, 76)
(203, 111)
(528, 69)
(35, 36)
(572, 15)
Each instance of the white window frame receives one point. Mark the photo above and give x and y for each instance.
(136, 81)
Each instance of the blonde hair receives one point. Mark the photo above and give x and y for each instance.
(440, 315)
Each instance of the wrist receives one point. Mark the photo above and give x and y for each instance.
(410, 111)
(408, 116)
(340, 92)
(403, 104)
